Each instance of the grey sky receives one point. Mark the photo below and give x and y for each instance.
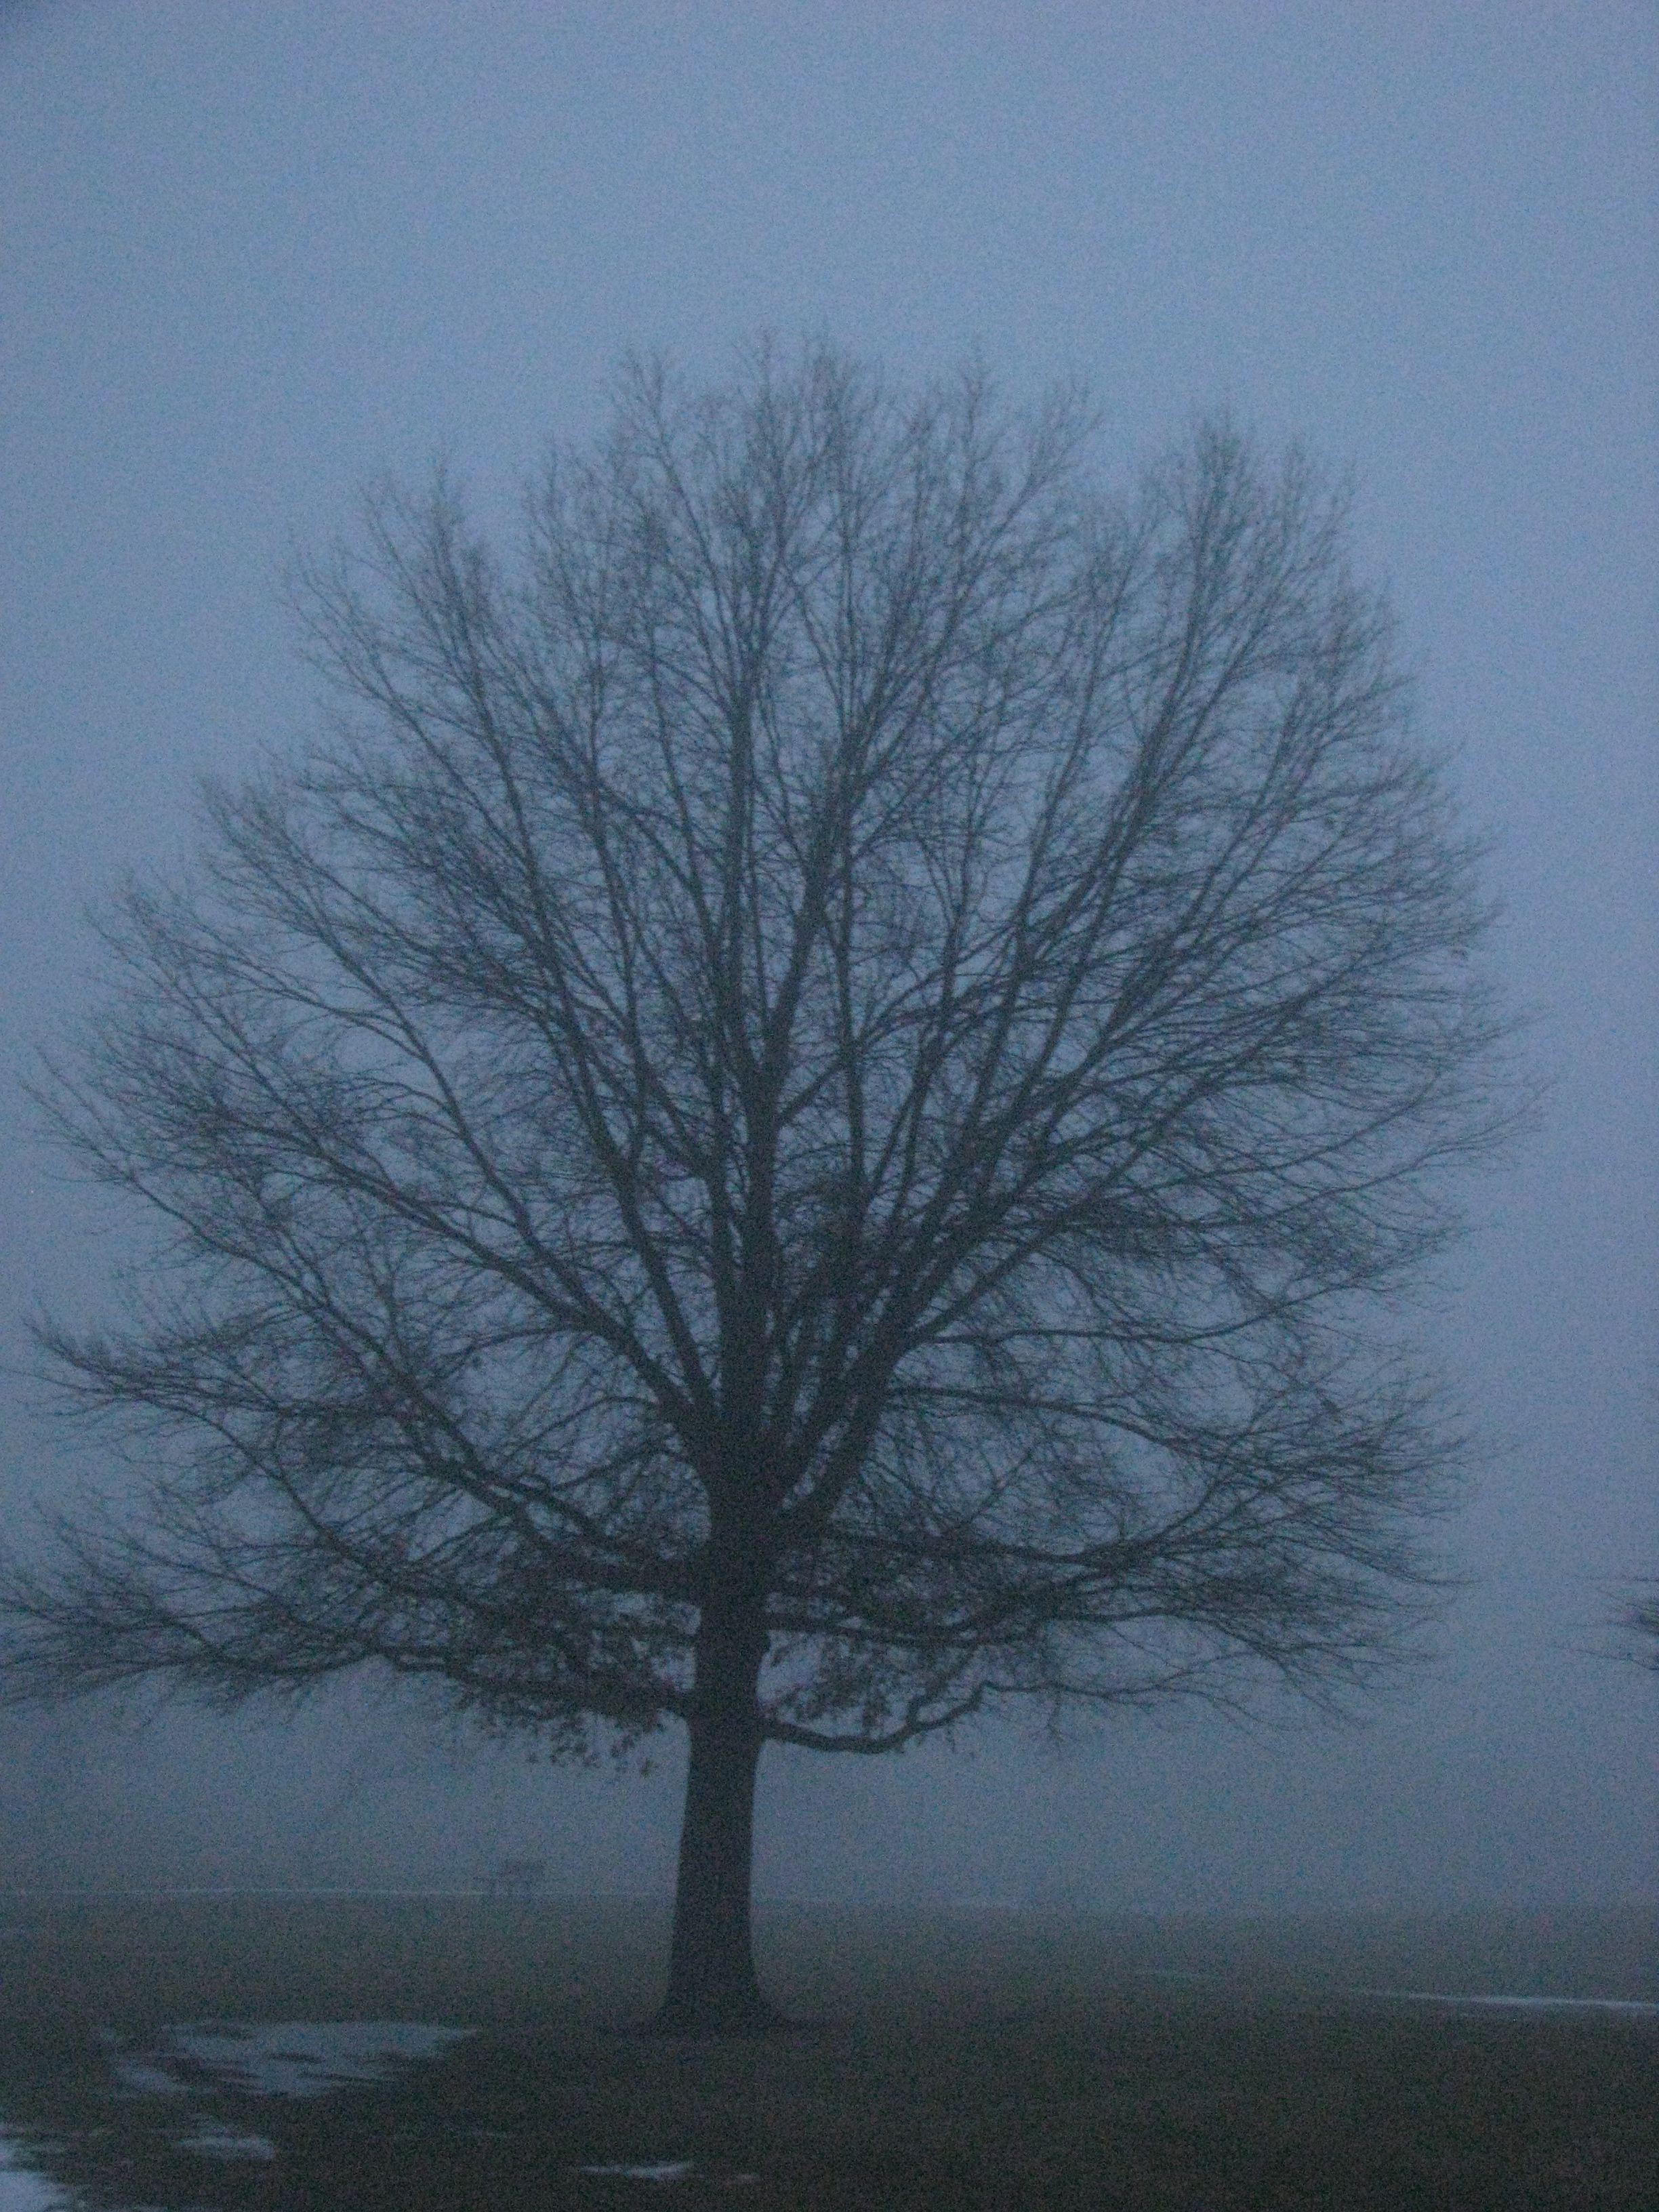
(253, 255)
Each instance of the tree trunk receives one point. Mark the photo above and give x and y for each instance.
(712, 1989)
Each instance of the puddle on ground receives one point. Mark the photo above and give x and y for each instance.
(672, 2169)
(677, 2169)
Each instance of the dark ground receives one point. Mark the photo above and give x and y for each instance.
(965, 2060)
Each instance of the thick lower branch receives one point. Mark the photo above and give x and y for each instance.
(914, 1726)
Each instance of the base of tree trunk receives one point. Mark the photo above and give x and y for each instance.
(753, 2017)
(712, 1988)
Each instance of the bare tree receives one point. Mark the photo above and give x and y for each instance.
(795, 1128)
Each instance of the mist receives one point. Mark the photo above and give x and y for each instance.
(256, 258)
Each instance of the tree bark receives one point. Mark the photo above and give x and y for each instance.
(712, 1987)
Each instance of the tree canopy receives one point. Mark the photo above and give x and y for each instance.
(798, 1121)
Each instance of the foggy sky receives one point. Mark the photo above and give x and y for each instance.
(252, 256)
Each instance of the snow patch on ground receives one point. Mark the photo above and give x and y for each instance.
(283, 2059)
(21, 2190)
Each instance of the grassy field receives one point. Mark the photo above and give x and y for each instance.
(952, 2060)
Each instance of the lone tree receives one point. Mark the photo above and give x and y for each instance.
(791, 1126)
